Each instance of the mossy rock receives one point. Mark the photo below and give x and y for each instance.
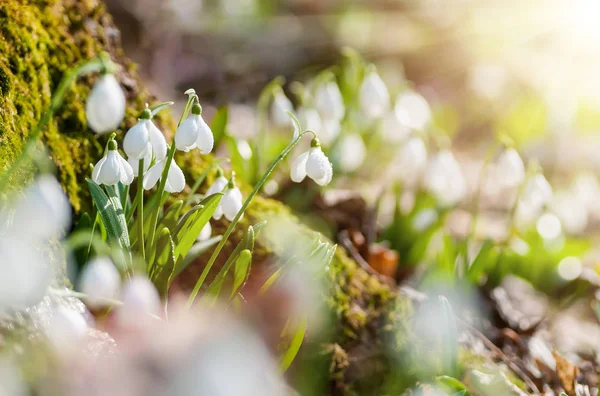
(39, 41)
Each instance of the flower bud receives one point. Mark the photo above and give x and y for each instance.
(100, 281)
(329, 102)
(314, 164)
(205, 234)
(105, 106)
(112, 168)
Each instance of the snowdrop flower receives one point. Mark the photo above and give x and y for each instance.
(194, 133)
(330, 130)
(352, 152)
(537, 192)
(66, 327)
(309, 118)
(43, 212)
(100, 281)
(175, 179)
(135, 163)
(144, 137)
(444, 179)
(374, 96)
(217, 187)
(510, 169)
(314, 164)
(112, 168)
(105, 106)
(205, 234)
(329, 102)
(140, 298)
(395, 129)
(231, 202)
(411, 160)
(413, 110)
(279, 108)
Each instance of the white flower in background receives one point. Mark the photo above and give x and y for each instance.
(135, 163)
(25, 273)
(279, 108)
(413, 110)
(112, 168)
(329, 102)
(314, 164)
(105, 106)
(411, 160)
(549, 227)
(230, 203)
(395, 129)
(309, 119)
(205, 234)
(352, 152)
(424, 219)
(510, 169)
(43, 212)
(100, 281)
(140, 298)
(194, 132)
(244, 149)
(537, 192)
(175, 179)
(571, 210)
(330, 130)
(218, 186)
(587, 189)
(144, 137)
(66, 328)
(444, 179)
(374, 96)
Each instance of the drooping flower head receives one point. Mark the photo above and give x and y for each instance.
(194, 133)
(232, 200)
(105, 106)
(374, 96)
(329, 102)
(314, 164)
(279, 109)
(175, 179)
(511, 170)
(100, 281)
(144, 138)
(445, 180)
(112, 168)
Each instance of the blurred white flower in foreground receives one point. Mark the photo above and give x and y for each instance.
(279, 108)
(175, 179)
(549, 227)
(11, 381)
(352, 152)
(105, 106)
(43, 212)
(66, 328)
(206, 233)
(413, 110)
(140, 298)
(314, 164)
(112, 168)
(445, 180)
(374, 96)
(510, 169)
(143, 138)
(194, 132)
(100, 281)
(329, 102)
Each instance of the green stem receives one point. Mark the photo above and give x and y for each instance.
(165, 173)
(99, 64)
(140, 207)
(232, 225)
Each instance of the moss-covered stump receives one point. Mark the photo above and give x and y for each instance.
(39, 41)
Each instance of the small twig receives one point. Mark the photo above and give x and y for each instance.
(344, 239)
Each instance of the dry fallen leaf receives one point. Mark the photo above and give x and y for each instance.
(567, 374)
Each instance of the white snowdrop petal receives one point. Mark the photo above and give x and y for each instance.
(413, 110)
(444, 179)
(136, 141)
(217, 186)
(326, 179)
(511, 170)
(205, 234)
(135, 163)
(231, 203)
(153, 175)
(110, 173)
(97, 169)
(187, 133)
(298, 169)
(66, 327)
(395, 130)
(157, 140)
(279, 108)
(317, 164)
(140, 298)
(205, 140)
(100, 281)
(105, 105)
(218, 213)
(411, 159)
(126, 171)
(175, 179)
(374, 96)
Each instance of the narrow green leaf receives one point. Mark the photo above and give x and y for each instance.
(111, 213)
(188, 231)
(294, 346)
(241, 270)
(297, 126)
(163, 270)
(197, 249)
(486, 258)
(170, 218)
(157, 108)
